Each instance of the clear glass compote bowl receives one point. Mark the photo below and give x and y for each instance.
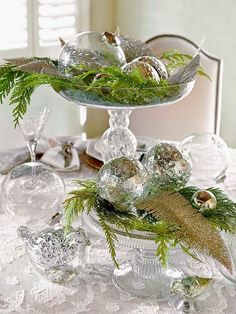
(179, 284)
(143, 276)
(118, 140)
(33, 189)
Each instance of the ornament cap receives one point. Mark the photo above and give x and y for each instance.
(111, 38)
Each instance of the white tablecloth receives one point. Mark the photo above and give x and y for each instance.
(22, 290)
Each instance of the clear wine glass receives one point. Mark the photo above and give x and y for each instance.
(31, 127)
(33, 189)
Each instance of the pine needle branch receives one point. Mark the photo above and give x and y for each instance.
(162, 249)
(109, 235)
(79, 201)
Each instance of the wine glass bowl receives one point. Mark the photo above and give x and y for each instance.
(38, 196)
(33, 189)
(31, 127)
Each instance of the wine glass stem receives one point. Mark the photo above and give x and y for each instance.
(32, 149)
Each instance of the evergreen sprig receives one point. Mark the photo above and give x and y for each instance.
(107, 84)
(110, 236)
(79, 200)
(86, 198)
(223, 216)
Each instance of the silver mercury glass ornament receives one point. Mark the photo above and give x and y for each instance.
(145, 69)
(167, 164)
(204, 199)
(157, 64)
(91, 49)
(121, 181)
(53, 254)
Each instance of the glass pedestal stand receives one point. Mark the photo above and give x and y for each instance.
(143, 276)
(118, 140)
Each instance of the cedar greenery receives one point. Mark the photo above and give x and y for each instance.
(166, 235)
(20, 77)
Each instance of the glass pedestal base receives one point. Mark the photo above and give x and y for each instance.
(126, 280)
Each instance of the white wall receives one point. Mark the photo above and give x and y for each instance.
(214, 19)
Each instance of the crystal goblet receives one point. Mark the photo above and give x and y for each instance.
(31, 127)
(33, 189)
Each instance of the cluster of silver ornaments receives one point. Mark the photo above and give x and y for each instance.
(121, 181)
(96, 50)
(167, 165)
(204, 199)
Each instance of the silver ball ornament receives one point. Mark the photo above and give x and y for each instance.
(121, 181)
(204, 199)
(92, 49)
(157, 64)
(167, 164)
(145, 69)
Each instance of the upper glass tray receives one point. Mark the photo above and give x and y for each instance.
(145, 98)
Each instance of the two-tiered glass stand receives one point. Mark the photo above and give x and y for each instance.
(144, 276)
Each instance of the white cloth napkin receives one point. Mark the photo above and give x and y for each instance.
(62, 153)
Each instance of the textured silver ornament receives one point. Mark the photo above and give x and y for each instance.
(157, 64)
(204, 199)
(145, 70)
(134, 48)
(167, 164)
(55, 255)
(121, 181)
(93, 49)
